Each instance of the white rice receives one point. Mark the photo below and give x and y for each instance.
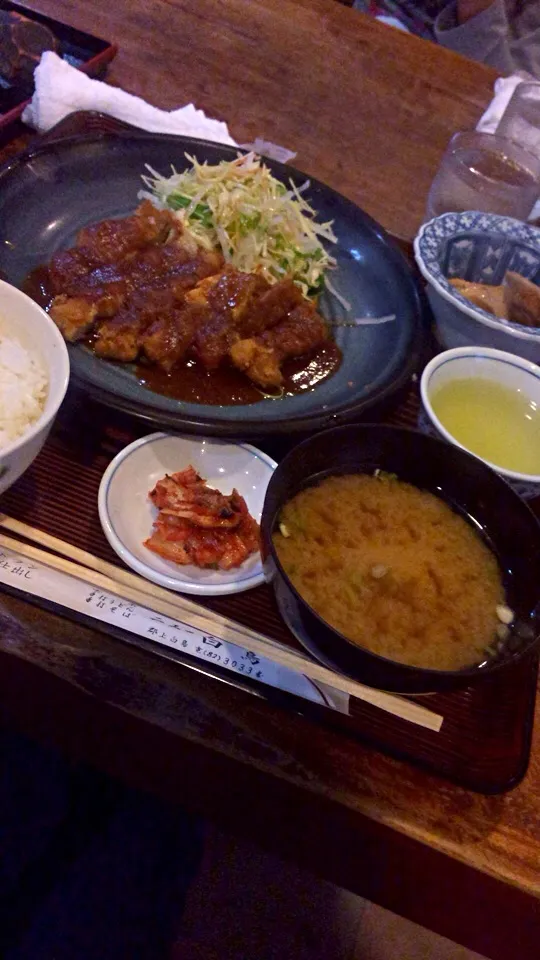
(23, 389)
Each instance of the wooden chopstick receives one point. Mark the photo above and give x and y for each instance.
(152, 590)
(85, 566)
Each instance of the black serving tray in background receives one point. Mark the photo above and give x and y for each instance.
(81, 50)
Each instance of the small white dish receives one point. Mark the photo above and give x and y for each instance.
(127, 514)
(497, 365)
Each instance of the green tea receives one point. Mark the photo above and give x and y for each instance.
(497, 423)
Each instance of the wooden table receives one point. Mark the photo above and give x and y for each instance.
(368, 110)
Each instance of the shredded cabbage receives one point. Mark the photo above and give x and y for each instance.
(260, 225)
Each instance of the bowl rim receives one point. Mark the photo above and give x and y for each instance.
(488, 353)
(61, 379)
(456, 299)
(473, 672)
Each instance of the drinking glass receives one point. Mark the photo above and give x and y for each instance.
(484, 171)
(520, 121)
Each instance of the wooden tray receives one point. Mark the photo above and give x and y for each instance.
(485, 739)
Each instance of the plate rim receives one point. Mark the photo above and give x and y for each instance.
(146, 571)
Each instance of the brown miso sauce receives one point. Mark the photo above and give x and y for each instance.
(37, 285)
(192, 383)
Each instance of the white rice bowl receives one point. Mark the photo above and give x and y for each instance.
(34, 374)
(24, 385)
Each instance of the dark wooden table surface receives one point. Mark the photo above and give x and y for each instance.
(369, 110)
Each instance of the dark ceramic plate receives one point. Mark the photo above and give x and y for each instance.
(49, 192)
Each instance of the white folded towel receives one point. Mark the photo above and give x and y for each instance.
(61, 89)
(504, 89)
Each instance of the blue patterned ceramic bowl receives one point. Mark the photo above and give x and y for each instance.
(479, 247)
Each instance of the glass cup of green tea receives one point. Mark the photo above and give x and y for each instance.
(486, 172)
(487, 402)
